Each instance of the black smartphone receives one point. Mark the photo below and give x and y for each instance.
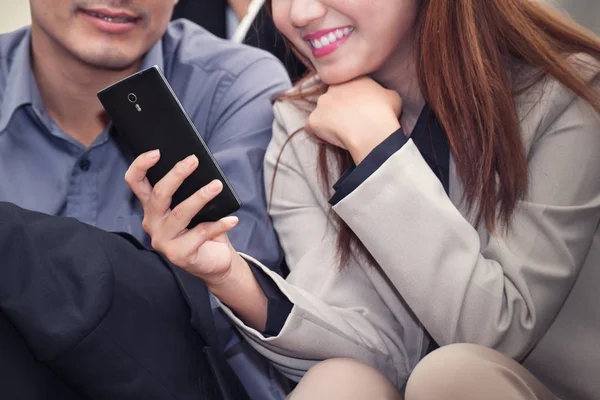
(146, 115)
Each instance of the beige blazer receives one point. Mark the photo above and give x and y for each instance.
(531, 293)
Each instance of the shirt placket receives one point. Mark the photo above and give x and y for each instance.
(82, 193)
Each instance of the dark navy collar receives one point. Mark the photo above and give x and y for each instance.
(432, 142)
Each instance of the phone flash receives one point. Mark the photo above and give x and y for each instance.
(137, 107)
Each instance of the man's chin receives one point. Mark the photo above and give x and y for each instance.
(109, 62)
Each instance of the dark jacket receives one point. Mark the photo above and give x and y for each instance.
(92, 315)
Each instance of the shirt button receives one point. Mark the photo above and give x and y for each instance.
(84, 164)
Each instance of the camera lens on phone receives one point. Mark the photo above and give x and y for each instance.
(132, 98)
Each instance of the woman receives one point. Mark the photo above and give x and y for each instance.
(463, 138)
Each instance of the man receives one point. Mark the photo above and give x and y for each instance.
(57, 156)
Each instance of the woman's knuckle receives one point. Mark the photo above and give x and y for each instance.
(205, 195)
(146, 225)
(159, 192)
(157, 245)
(178, 213)
(322, 100)
(128, 177)
(182, 169)
(202, 233)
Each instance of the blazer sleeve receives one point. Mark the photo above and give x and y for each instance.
(501, 290)
(336, 313)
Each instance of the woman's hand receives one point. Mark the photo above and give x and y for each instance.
(203, 251)
(357, 115)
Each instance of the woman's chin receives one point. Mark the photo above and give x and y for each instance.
(336, 77)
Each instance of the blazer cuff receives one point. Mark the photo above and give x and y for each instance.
(278, 306)
(354, 176)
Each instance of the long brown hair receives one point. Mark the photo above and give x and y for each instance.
(465, 52)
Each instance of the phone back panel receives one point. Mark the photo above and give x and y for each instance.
(156, 120)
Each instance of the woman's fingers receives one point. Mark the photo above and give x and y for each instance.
(183, 251)
(181, 215)
(168, 228)
(136, 175)
(396, 102)
(160, 201)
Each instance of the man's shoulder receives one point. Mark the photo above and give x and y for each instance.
(214, 77)
(9, 43)
(187, 45)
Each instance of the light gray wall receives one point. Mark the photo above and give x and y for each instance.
(14, 14)
(586, 12)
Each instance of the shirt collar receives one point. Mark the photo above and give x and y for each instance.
(22, 89)
(154, 56)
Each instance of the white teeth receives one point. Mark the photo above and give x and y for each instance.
(331, 37)
(110, 19)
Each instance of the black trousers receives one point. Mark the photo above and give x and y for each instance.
(86, 314)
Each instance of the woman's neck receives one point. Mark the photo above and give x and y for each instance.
(402, 78)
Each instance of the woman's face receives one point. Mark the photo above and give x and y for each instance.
(345, 39)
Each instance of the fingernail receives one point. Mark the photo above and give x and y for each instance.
(232, 220)
(190, 161)
(153, 154)
(215, 186)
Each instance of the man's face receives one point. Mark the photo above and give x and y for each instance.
(106, 34)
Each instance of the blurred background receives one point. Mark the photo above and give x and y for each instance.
(15, 13)
(586, 12)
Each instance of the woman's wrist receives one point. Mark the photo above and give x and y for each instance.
(241, 292)
(230, 277)
(360, 145)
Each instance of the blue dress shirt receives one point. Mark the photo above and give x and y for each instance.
(226, 89)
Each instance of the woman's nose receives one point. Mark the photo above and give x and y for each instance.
(303, 12)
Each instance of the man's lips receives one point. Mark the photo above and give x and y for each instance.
(111, 15)
(108, 21)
